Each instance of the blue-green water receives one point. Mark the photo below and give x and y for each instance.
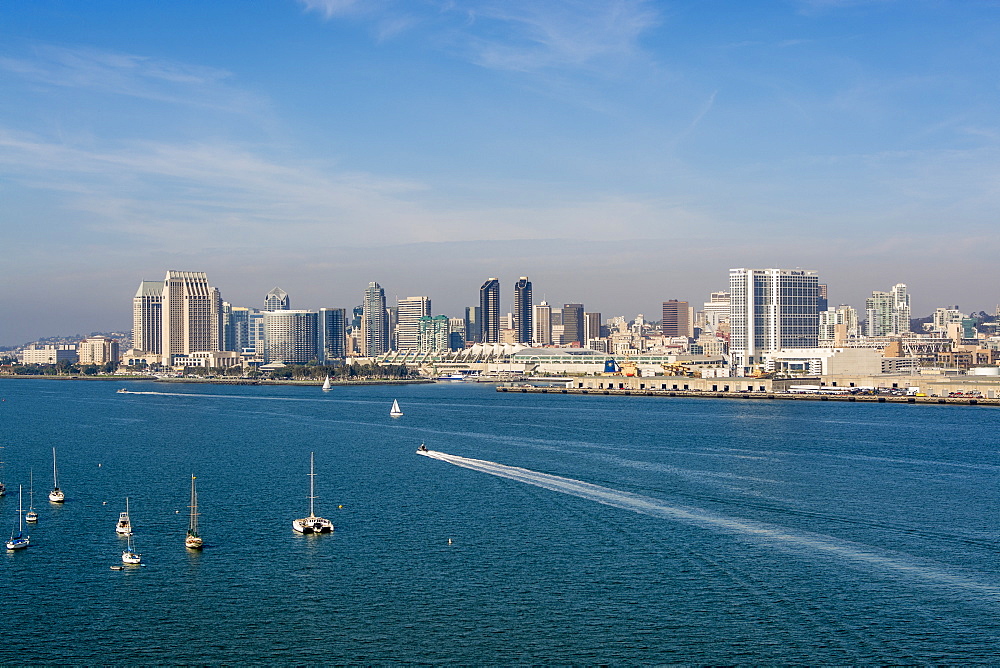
(609, 529)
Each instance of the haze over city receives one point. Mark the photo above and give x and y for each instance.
(620, 153)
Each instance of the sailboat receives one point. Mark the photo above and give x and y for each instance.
(56, 495)
(3, 488)
(312, 524)
(326, 384)
(31, 515)
(18, 541)
(193, 540)
(124, 526)
(129, 555)
(395, 410)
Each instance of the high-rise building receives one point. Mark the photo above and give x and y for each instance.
(456, 340)
(410, 311)
(572, 320)
(715, 311)
(489, 304)
(676, 319)
(147, 317)
(591, 327)
(331, 334)
(192, 315)
(97, 350)
(235, 327)
(434, 333)
(290, 336)
(822, 298)
(375, 321)
(770, 309)
(255, 335)
(473, 324)
(888, 313)
(276, 300)
(522, 310)
(543, 325)
(838, 324)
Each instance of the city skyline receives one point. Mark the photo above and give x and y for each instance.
(618, 152)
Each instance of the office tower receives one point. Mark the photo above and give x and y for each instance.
(522, 310)
(456, 340)
(255, 335)
(770, 309)
(357, 313)
(556, 329)
(572, 320)
(489, 303)
(822, 300)
(235, 327)
(676, 319)
(543, 325)
(838, 324)
(591, 327)
(473, 324)
(410, 311)
(276, 300)
(147, 317)
(434, 333)
(289, 336)
(715, 311)
(888, 313)
(375, 321)
(192, 315)
(331, 334)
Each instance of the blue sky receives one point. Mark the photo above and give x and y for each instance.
(617, 152)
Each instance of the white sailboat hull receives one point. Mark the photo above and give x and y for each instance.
(312, 525)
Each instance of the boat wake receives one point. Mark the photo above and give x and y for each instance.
(900, 564)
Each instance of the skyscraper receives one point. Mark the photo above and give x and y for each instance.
(433, 333)
(591, 327)
(676, 319)
(276, 300)
(331, 334)
(572, 320)
(542, 325)
(522, 310)
(192, 315)
(235, 327)
(375, 321)
(489, 303)
(888, 313)
(147, 317)
(411, 310)
(770, 309)
(473, 324)
(290, 336)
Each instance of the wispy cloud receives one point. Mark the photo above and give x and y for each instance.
(131, 75)
(331, 8)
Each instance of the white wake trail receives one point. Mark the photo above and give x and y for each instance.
(901, 564)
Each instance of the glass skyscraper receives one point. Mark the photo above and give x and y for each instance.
(489, 303)
(375, 321)
(522, 310)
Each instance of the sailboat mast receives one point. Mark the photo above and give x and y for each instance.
(55, 476)
(193, 525)
(20, 511)
(312, 482)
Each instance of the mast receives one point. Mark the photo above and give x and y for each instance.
(312, 482)
(55, 476)
(20, 514)
(193, 524)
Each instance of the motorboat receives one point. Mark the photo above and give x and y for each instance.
(124, 526)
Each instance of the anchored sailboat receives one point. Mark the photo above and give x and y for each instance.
(124, 526)
(193, 540)
(395, 410)
(56, 495)
(18, 541)
(31, 515)
(129, 555)
(312, 524)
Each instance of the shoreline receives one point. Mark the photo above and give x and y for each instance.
(778, 396)
(229, 381)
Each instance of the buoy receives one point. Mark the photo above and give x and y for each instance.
(341, 506)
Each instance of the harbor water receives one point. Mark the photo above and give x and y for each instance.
(536, 529)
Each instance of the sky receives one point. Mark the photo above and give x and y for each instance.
(619, 153)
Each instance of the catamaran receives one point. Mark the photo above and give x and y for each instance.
(193, 540)
(312, 524)
(31, 515)
(395, 411)
(56, 495)
(124, 526)
(18, 541)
